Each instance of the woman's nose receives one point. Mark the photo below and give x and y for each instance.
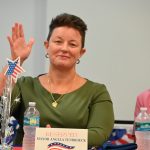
(64, 47)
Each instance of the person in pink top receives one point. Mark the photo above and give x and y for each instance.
(143, 100)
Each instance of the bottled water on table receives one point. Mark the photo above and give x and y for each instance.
(142, 129)
(31, 121)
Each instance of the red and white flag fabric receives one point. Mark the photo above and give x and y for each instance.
(14, 68)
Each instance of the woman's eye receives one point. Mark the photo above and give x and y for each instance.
(73, 45)
(58, 42)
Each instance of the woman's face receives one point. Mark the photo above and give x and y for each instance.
(65, 47)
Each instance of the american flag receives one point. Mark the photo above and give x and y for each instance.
(121, 136)
(14, 68)
(59, 146)
(121, 139)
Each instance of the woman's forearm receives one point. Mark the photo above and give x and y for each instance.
(2, 80)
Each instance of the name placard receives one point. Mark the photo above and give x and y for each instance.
(61, 139)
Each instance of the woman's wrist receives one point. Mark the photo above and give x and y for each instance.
(21, 60)
(4, 70)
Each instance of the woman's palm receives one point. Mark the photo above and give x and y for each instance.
(21, 49)
(18, 45)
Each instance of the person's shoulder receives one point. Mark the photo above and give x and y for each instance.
(144, 93)
(99, 90)
(26, 80)
(96, 85)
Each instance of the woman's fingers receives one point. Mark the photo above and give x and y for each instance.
(18, 45)
(17, 30)
(30, 44)
(10, 42)
(48, 126)
(21, 32)
(13, 34)
(11, 47)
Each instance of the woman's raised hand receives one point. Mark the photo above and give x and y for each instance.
(19, 47)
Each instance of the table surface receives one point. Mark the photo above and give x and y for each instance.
(17, 148)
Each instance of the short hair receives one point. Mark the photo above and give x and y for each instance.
(69, 21)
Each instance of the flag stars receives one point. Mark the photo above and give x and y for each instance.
(14, 68)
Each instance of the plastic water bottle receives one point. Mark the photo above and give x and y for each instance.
(31, 121)
(142, 129)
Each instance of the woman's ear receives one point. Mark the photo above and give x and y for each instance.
(46, 44)
(83, 50)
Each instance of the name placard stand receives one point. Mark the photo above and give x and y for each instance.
(61, 138)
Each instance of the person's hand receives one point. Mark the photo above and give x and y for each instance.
(19, 47)
(48, 126)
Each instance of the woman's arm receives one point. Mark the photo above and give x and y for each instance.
(2, 81)
(101, 119)
(19, 48)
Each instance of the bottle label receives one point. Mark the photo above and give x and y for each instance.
(31, 121)
(142, 126)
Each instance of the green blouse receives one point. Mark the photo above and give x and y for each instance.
(88, 107)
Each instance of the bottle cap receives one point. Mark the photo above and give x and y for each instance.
(32, 103)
